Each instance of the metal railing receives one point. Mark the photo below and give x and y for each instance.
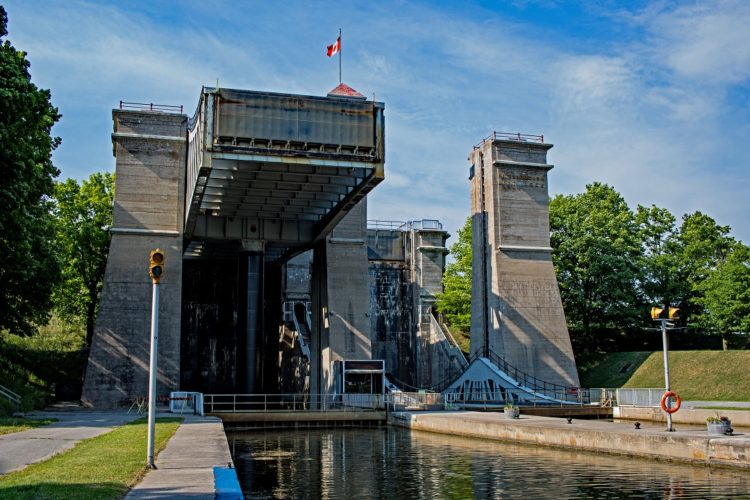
(523, 378)
(648, 398)
(445, 331)
(510, 136)
(150, 106)
(11, 396)
(520, 397)
(284, 403)
(395, 225)
(390, 225)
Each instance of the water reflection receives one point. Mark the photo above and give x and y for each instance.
(396, 463)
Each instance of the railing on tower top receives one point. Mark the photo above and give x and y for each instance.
(150, 106)
(510, 136)
(394, 225)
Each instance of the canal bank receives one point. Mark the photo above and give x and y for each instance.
(622, 438)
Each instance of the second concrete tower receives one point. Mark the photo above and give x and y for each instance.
(516, 310)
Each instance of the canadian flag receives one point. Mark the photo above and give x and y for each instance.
(335, 48)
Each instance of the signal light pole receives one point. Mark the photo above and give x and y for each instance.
(156, 271)
(663, 315)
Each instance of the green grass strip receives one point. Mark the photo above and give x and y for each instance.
(102, 467)
(729, 408)
(10, 425)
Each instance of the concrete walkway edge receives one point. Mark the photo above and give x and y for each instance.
(185, 468)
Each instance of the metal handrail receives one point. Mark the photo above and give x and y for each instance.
(150, 106)
(443, 328)
(510, 136)
(391, 225)
(10, 396)
(285, 403)
(522, 377)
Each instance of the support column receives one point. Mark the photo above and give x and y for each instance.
(150, 150)
(517, 312)
(340, 296)
(254, 320)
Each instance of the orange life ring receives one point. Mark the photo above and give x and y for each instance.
(677, 400)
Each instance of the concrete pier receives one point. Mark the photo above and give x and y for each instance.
(621, 438)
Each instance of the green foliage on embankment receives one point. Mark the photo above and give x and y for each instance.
(694, 375)
(42, 367)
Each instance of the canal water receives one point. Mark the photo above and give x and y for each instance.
(397, 463)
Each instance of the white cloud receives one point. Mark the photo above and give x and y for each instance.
(706, 41)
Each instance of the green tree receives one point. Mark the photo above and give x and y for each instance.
(726, 295)
(662, 269)
(455, 301)
(596, 249)
(29, 267)
(702, 245)
(83, 219)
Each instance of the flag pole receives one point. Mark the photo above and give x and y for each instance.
(339, 56)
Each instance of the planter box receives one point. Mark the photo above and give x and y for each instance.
(512, 412)
(718, 428)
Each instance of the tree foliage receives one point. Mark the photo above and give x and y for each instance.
(83, 219)
(29, 265)
(455, 301)
(596, 246)
(725, 295)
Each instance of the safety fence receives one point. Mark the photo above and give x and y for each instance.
(266, 403)
(648, 398)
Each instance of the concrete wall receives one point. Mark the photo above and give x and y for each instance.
(392, 319)
(516, 306)
(340, 325)
(150, 153)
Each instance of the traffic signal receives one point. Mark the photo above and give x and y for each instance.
(658, 313)
(156, 265)
(665, 312)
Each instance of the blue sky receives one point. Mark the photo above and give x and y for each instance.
(650, 97)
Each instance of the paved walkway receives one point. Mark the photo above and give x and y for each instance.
(184, 469)
(722, 404)
(20, 449)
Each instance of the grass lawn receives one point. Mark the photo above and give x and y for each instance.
(9, 425)
(699, 375)
(98, 468)
(611, 369)
(694, 375)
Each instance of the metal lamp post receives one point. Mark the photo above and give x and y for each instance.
(156, 271)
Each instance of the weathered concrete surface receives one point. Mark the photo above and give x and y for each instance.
(739, 418)
(150, 161)
(185, 467)
(608, 437)
(516, 309)
(20, 449)
(340, 293)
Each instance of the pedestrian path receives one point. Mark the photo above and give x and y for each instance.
(20, 449)
(185, 468)
(716, 404)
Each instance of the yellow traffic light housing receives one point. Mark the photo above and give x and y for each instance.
(665, 312)
(156, 265)
(657, 313)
